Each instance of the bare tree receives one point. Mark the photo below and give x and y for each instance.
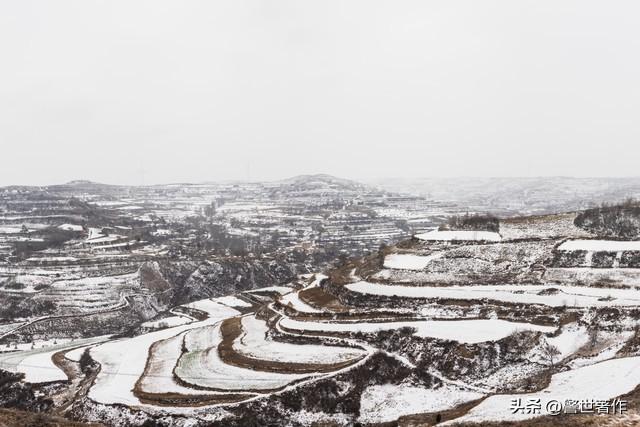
(593, 337)
(550, 352)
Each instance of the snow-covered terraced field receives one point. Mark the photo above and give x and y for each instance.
(293, 300)
(592, 276)
(158, 376)
(201, 366)
(570, 296)
(409, 261)
(460, 236)
(91, 293)
(465, 331)
(600, 245)
(254, 343)
(282, 290)
(385, 403)
(233, 301)
(37, 365)
(123, 361)
(542, 227)
(600, 381)
(303, 349)
(167, 322)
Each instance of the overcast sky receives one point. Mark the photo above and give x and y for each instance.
(125, 91)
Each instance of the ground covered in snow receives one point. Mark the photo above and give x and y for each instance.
(451, 323)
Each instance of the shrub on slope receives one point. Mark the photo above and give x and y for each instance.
(618, 221)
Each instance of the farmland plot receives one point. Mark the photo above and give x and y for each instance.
(600, 245)
(254, 343)
(37, 364)
(123, 361)
(201, 366)
(384, 403)
(409, 261)
(465, 331)
(600, 381)
(460, 236)
(293, 300)
(572, 296)
(158, 377)
(170, 321)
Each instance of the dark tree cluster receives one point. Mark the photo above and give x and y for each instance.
(603, 259)
(620, 221)
(19, 395)
(568, 259)
(477, 222)
(13, 307)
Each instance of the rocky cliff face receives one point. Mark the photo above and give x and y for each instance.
(193, 280)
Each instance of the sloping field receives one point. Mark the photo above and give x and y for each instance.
(293, 300)
(409, 261)
(254, 343)
(475, 314)
(460, 235)
(601, 381)
(158, 384)
(571, 296)
(202, 367)
(600, 245)
(388, 402)
(37, 365)
(465, 331)
(123, 361)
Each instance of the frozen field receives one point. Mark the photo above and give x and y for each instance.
(465, 331)
(460, 235)
(158, 377)
(170, 322)
(293, 300)
(409, 261)
(601, 381)
(37, 365)
(254, 343)
(233, 301)
(123, 361)
(384, 403)
(600, 245)
(201, 366)
(571, 296)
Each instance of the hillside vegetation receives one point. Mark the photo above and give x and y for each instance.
(621, 221)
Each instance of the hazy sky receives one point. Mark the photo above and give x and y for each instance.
(126, 91)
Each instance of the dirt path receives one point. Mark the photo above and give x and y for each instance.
(79, 383)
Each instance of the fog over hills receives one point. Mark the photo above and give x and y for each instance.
(499, 195)
(502, 196)
(518, 195)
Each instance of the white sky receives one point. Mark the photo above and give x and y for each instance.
(229, 89)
